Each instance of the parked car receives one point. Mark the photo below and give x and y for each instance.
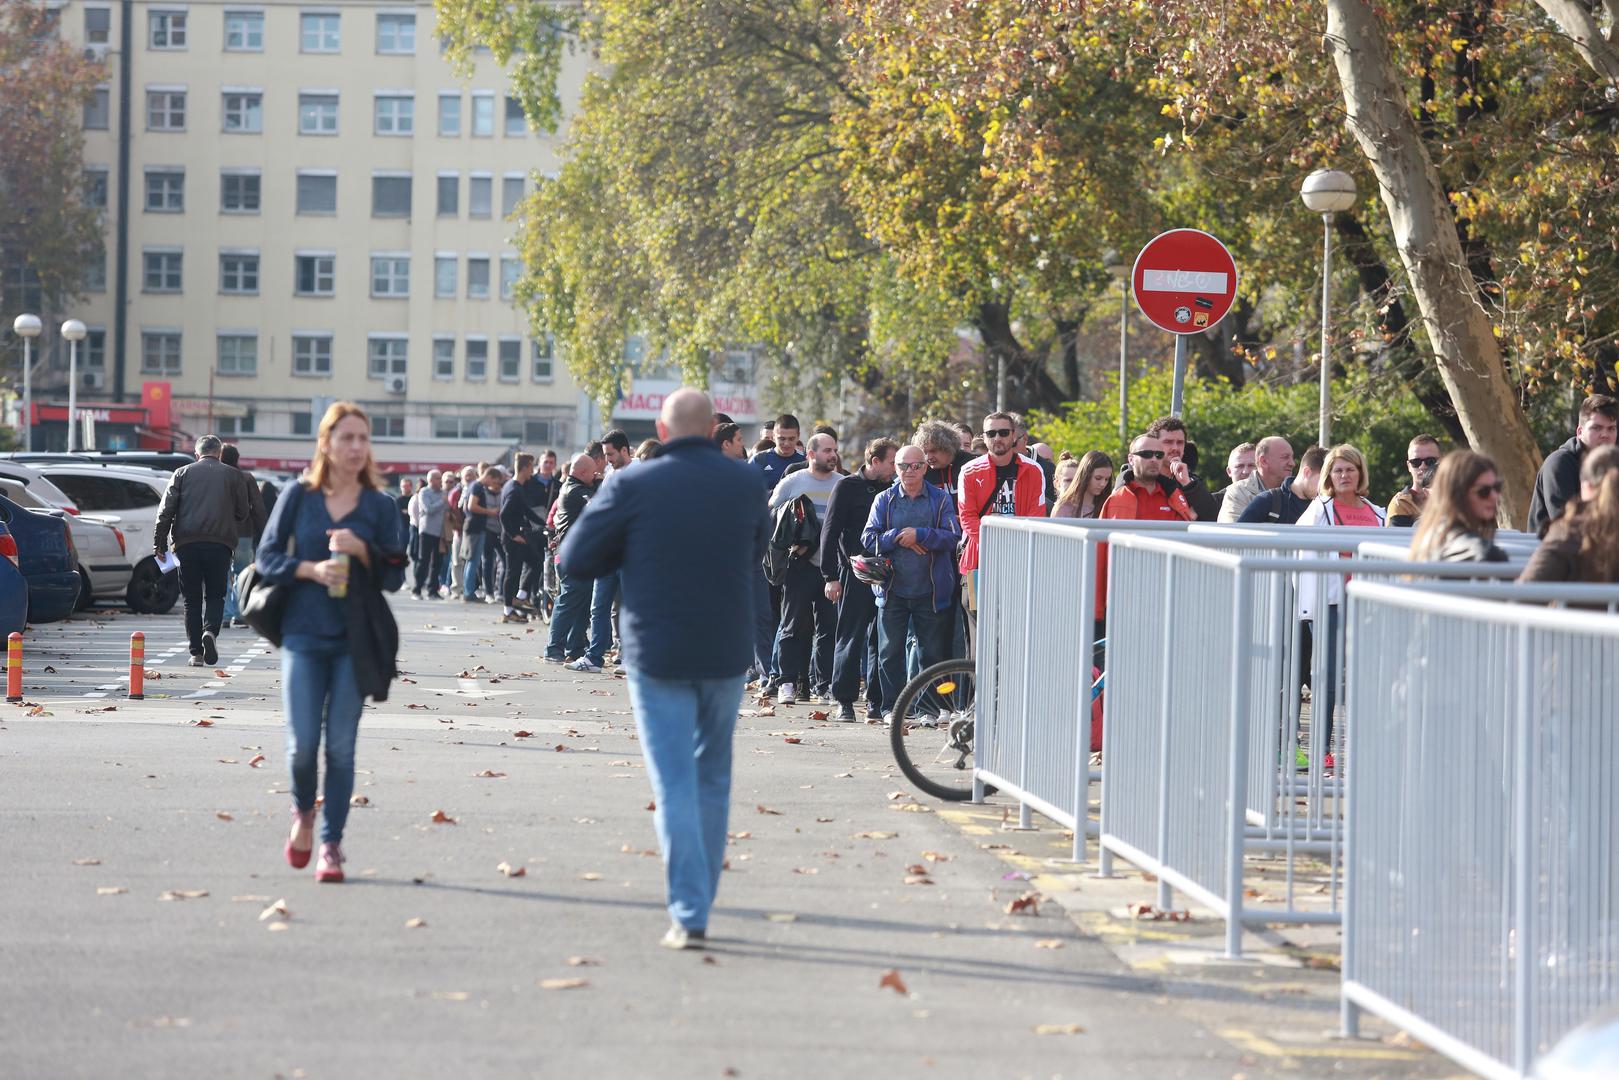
(13, 588)
(163, 460)
(134, 495)
(46, 558)
(104, 563)
(31, 478)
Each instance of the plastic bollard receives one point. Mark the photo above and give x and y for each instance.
(137, 666)
(14, 668)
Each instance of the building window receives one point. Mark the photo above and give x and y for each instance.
(390, 196)
(449, 194)
(315, 275)
(165, 110)
(477, 359)
(390, 275)
(545, 349)
(97, 25)
(516, 121)
(388, 427)
(480, 193)
(162, 271)
(311, 355)
(386, 356)
(317, 193)
(395, 114)
(239, 272)
(244, 31)
(511, 193)
(238, 354)
(303, 423)
(160, 352)
(463, 427)
(449, 113)
(244, 112)
(483, 114)
(477, 277)
(234, 425)
(317, 114)
(511, 359)
(444, 277)
(95, 188)
(318, 32)
(94, 279)
(165, 191)
(443, 358)
(396, 33)
(239, 193)
(95, 348)
(167, 29)
(98, 109)
(511, 269)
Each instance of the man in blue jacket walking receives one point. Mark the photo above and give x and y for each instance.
(685, 532)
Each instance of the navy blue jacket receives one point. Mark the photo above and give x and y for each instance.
(685, 532)
(879, 536)
(1277, 506)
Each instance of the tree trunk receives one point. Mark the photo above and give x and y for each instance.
(1574, 18)
(1028, 384)
(1068, 342)
(1459, 330)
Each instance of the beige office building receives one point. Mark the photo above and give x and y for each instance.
(316, 209)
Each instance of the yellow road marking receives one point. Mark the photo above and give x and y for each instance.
(1258, 1044)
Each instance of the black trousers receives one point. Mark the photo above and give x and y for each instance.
(521, 558)
(856, 639)
(493, 559)
(429, 562)
(204, 577)
(808, 624)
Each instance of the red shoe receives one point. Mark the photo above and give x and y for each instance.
(303, 828)
(1328, 764)
(330, 866)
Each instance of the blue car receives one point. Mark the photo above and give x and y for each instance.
(47, 560)
(13, 588)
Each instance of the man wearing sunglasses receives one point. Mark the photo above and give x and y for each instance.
(1146, 495)
(1000, 482)
(1422, 459)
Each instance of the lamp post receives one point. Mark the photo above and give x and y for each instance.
(1114, 264)
(28, 328)
(73, 331)
(1327, 192)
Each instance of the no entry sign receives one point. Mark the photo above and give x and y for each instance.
(1185, 281)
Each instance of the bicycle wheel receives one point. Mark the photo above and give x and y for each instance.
(931, 728)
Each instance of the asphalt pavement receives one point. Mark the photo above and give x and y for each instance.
(505, 897)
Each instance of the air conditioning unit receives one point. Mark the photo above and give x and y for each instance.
(397, 384)
(93, 380)
(97, 53)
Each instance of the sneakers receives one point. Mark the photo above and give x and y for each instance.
(874, 715)
(303, 829)
(845, 713)
(678, 937)
(584, 664)
(330, 867)
(1329, 764)
(514, 617)
(554, 659)
(786, 695)
(416, 594)
(210, 650)
(197, 661)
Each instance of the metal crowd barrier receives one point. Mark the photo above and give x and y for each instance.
(1483, 829)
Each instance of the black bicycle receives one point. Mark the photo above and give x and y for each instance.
(931, 728)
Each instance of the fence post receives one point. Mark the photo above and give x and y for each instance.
(1024, 820)
(1238, 766)
(1523, 981)
(1348, 1011)
(1166, 896)
(1082, 720)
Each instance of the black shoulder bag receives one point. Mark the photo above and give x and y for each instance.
(263, 602)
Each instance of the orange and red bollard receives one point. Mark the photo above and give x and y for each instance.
(137, 666)
(14, 668)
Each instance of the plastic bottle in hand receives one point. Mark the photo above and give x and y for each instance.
(340, 589)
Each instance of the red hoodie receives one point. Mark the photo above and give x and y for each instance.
(1136, 502)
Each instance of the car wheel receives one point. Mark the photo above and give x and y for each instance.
(85, 595)
(152, 592)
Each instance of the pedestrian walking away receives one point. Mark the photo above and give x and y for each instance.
(335, 543)
(242, 554)
(204, 512)
(570, 619)
(476, 505)
(685, 532)
(521, 537)
(431, 546)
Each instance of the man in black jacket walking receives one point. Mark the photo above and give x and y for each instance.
(205, 510)
(1559, 478)
(521, 537)
(571, 617)
(856, 630)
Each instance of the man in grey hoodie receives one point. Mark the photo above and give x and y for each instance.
(204, 511)
(431, 502)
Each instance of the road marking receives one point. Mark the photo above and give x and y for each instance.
(1258, 1044)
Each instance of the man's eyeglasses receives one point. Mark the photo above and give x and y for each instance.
(998, 433)
(1149, 454)
(912, 466)
(1484, 491)
(1422, 462)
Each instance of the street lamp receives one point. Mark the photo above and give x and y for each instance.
(1327, 192)
(73, 332)
(1115, 265)
(28, 328)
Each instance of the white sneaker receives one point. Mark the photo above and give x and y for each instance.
(785, 695)
(584, 664)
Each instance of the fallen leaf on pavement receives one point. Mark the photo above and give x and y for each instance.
(255, 761)
(934, 856)
(277, 910)
(919, 879)
(49, 670)
(916, 868)
(509, 870)
(899, 795)
(912, 807)
(892, 981)
(490, 774)
(221, 673)
(591, 876)
(86, 862)
(710, 960)
(563, 984)
(1049, 943)
(875, 835)
(653, 805)
(226, 760)
(583, 961)
(153, 673)
(781, 916)
(1027, 904)
(184, 894)
(819, 715)
(441, 818)
(791, 740)
(224, 815)
(359, 800)
(822, 820)
(1059, 1029)
(522, 734)
(415, 924)
(110, 890)
(763, 809)
(806, 870)
(202, 723)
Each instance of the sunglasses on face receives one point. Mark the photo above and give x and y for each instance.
(1422, 462)
(998, 433)
(1484, 491)
(912, 466)
(1147, 453)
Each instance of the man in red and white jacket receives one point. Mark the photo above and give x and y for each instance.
(1000, 482)
(1144, 497)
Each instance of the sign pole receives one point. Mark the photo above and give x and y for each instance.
(1177, 398)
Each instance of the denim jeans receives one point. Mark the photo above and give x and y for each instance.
(901, 616)
(470, 573)
(766, 620)
(318, 691)
(204, 576)
(856, 639)
(239, 559)
(685, 728)
(570, 617)
(601, 618)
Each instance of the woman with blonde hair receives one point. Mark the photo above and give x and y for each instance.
(1087, 490)
(333, 544)
(648, 449)
(1458, 521)
(1582, 544)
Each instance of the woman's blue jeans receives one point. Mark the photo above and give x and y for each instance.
(318, 692)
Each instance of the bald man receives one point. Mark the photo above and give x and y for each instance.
(1273, 464)
(808, 631)
(570, 618)
(685, 532)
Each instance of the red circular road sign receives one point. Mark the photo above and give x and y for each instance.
(1185, 281)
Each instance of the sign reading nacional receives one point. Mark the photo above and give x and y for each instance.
(644, 400)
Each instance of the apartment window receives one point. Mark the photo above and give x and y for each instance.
(167, 29)
(449, 113)
(95, 348)
(449, 194)
(317, 193)
(395, 114)
(510, 270)
(477, 358)
(480, 193)
(239, 272)
(318, 32)
(456, 427)
(162, 271)
(483, 114)
(238, 354)
(477, 277)
(516, 121)
(95, 188)
(317, 114)
(396, 33)
(165, 110)
(387, 427)
(160, 352)
(311, 355)
(244, 112)
(390, 195)
(165, 191)
(544, 353)
(315, 274)
(511, 193)
(386, 356)
(443, 357)
(98, 109)
(303, 423)
(390, 275)
(97, 25)
(244, 31)
(444, 277)
(94, 278)
(511, 359)
(234, 425)
(239, 193)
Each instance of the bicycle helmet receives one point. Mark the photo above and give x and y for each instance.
(872, 569)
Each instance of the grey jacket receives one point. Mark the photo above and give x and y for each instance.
(432, 503)
(206, 503)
